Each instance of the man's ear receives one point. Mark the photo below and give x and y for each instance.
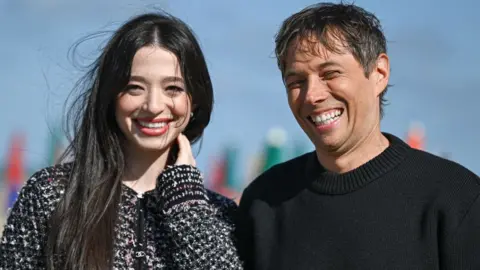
(381, 73)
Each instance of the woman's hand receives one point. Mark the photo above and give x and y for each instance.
(185, 155)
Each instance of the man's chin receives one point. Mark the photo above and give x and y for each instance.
(328, 144)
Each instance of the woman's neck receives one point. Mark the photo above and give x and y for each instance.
(143, 169)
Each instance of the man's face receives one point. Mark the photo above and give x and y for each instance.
(331, 98)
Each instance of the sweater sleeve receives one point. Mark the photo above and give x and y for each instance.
(22, 243)
(462, 248)
(199, 226)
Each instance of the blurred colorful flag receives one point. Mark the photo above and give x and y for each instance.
(223, 177)
(233, 180)
(416, 136)
(14, 170)
(217, 175)
(274, 148)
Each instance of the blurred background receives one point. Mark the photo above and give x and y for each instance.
(433, 47)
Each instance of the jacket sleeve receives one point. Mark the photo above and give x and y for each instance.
(461, 250)
(199, 227)
(22, 243)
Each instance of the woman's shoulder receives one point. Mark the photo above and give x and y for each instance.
(49, 181)
(41, 192)
(51, 175)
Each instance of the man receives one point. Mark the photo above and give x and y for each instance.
(363, 199)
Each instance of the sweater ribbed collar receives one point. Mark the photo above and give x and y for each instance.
(327, 182)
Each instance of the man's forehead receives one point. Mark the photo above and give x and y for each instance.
(305, 49)
(318, 56)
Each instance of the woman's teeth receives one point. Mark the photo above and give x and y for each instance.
(152, 125)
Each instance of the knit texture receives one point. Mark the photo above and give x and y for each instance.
(404, 209)
(185, 225)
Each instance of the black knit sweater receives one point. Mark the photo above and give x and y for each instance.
(179, 225)
(404, 209)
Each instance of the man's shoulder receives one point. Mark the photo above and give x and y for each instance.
(450, 180)
(453, 187)
(441, 167)
(279, 177)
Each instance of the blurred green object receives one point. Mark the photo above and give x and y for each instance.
(274, 148)
(231, 164)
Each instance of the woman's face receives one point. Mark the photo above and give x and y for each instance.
(154, 108)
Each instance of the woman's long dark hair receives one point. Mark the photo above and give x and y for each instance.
(81, 230)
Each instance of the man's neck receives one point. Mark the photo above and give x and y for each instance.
(365, 150)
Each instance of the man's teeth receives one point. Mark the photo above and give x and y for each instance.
(326, 118)
(152, 125)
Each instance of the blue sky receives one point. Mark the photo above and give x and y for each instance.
(432, 46)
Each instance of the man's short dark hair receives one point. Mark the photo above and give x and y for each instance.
(358, 30)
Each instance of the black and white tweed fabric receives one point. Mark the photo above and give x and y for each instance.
(185, 226)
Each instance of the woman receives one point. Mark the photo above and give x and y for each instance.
(132, 197)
